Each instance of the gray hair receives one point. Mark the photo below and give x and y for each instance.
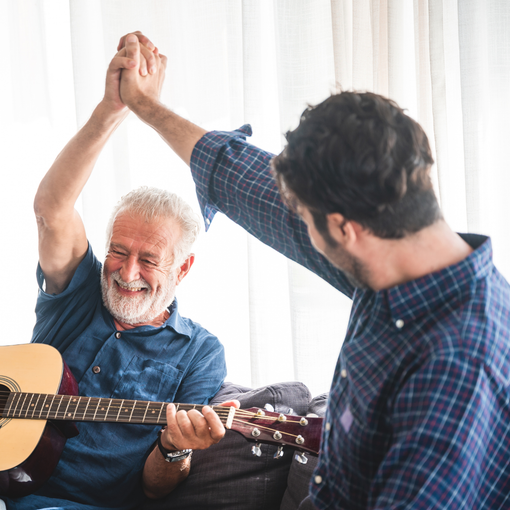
(151, 203)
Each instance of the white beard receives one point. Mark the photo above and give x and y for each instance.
(139, 309)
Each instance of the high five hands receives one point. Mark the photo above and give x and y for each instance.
(135, 75)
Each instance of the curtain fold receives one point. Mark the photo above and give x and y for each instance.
(258, 61)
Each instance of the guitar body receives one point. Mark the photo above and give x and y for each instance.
(30, 449)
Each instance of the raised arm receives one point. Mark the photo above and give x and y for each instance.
(141, 94)
(231, 176)
(62, 238)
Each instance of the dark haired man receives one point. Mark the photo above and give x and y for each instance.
(418, 414)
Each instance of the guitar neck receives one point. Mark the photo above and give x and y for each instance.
(41, 406)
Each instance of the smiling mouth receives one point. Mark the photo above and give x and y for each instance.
(130, 289)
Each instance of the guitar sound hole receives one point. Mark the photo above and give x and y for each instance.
(4, 395)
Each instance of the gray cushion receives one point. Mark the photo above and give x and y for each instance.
(298, 482)
(227, 476)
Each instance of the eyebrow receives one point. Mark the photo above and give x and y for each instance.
(143, 254)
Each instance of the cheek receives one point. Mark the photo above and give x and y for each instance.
(109, 267)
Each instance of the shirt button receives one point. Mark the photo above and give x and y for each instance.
(118, 335)
(328, 426)
(343, 373)
(318, 479)
(399, 323)
(96, 369)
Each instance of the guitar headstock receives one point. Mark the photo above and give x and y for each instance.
(261, 426)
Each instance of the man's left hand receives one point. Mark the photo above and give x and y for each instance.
(193, 429)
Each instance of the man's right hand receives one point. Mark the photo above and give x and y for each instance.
(139, 91)
(141, 94)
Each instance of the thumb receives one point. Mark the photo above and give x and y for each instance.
(133, 48)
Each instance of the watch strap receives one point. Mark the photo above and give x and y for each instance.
(173, 456)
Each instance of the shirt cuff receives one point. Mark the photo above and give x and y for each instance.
(203, 162)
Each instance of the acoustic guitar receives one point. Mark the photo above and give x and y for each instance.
(39, 402)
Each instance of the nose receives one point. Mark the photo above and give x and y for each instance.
(130, 270)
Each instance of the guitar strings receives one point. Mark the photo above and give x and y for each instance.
(81, 409)
(130, 405)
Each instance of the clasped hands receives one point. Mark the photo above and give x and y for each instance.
(135, 76)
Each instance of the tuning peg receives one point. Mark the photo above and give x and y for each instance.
(290, 411)
(255, 450)
(302, 458)
(279, 453)
(269, 407)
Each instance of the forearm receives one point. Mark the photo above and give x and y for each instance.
(161, 477)
(62, 238)
(64, 181)
(235, 178)
(180, 134)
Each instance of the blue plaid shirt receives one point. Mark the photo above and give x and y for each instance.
(418, 414)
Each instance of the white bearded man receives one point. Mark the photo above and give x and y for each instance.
(118, 328)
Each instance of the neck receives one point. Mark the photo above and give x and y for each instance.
(391, 262)
(157, 322)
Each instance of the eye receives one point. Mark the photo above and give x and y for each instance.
(148, 262)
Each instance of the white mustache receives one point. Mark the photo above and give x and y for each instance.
(137, 284)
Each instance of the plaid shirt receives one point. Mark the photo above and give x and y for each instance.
(418, 414)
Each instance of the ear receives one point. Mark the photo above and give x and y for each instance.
(184, 268)
(344, 232)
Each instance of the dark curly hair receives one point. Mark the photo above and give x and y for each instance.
(360, 155)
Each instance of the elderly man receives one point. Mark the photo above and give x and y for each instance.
(418, 414)
(118, 328)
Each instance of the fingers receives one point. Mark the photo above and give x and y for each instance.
(133, 48)
(141, 54)
(192, 429)
(216, 428)
(121, 63)
(142, 38)
(231, 403)
(148, 63)
(163, 60)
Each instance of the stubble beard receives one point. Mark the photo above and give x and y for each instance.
(354, 270)
(140, 309)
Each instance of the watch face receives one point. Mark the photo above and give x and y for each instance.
(177, 456)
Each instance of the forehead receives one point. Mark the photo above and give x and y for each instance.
(133, 232)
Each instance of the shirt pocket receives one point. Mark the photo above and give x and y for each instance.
(148, 380)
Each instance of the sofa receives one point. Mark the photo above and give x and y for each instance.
(227, 476)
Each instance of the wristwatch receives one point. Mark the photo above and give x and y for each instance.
(175, 456)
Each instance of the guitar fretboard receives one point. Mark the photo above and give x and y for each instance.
(42, 406)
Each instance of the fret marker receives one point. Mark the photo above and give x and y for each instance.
(153, 411)
(47, 405)
(125, 410)
(74, 400)
(31, 405)
(68, 414)
(102, 408)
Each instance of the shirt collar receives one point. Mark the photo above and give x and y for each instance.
(176, 322)
(447, 286)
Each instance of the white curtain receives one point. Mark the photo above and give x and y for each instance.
(262, 62)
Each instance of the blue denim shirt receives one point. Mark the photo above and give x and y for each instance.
(177, 362)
